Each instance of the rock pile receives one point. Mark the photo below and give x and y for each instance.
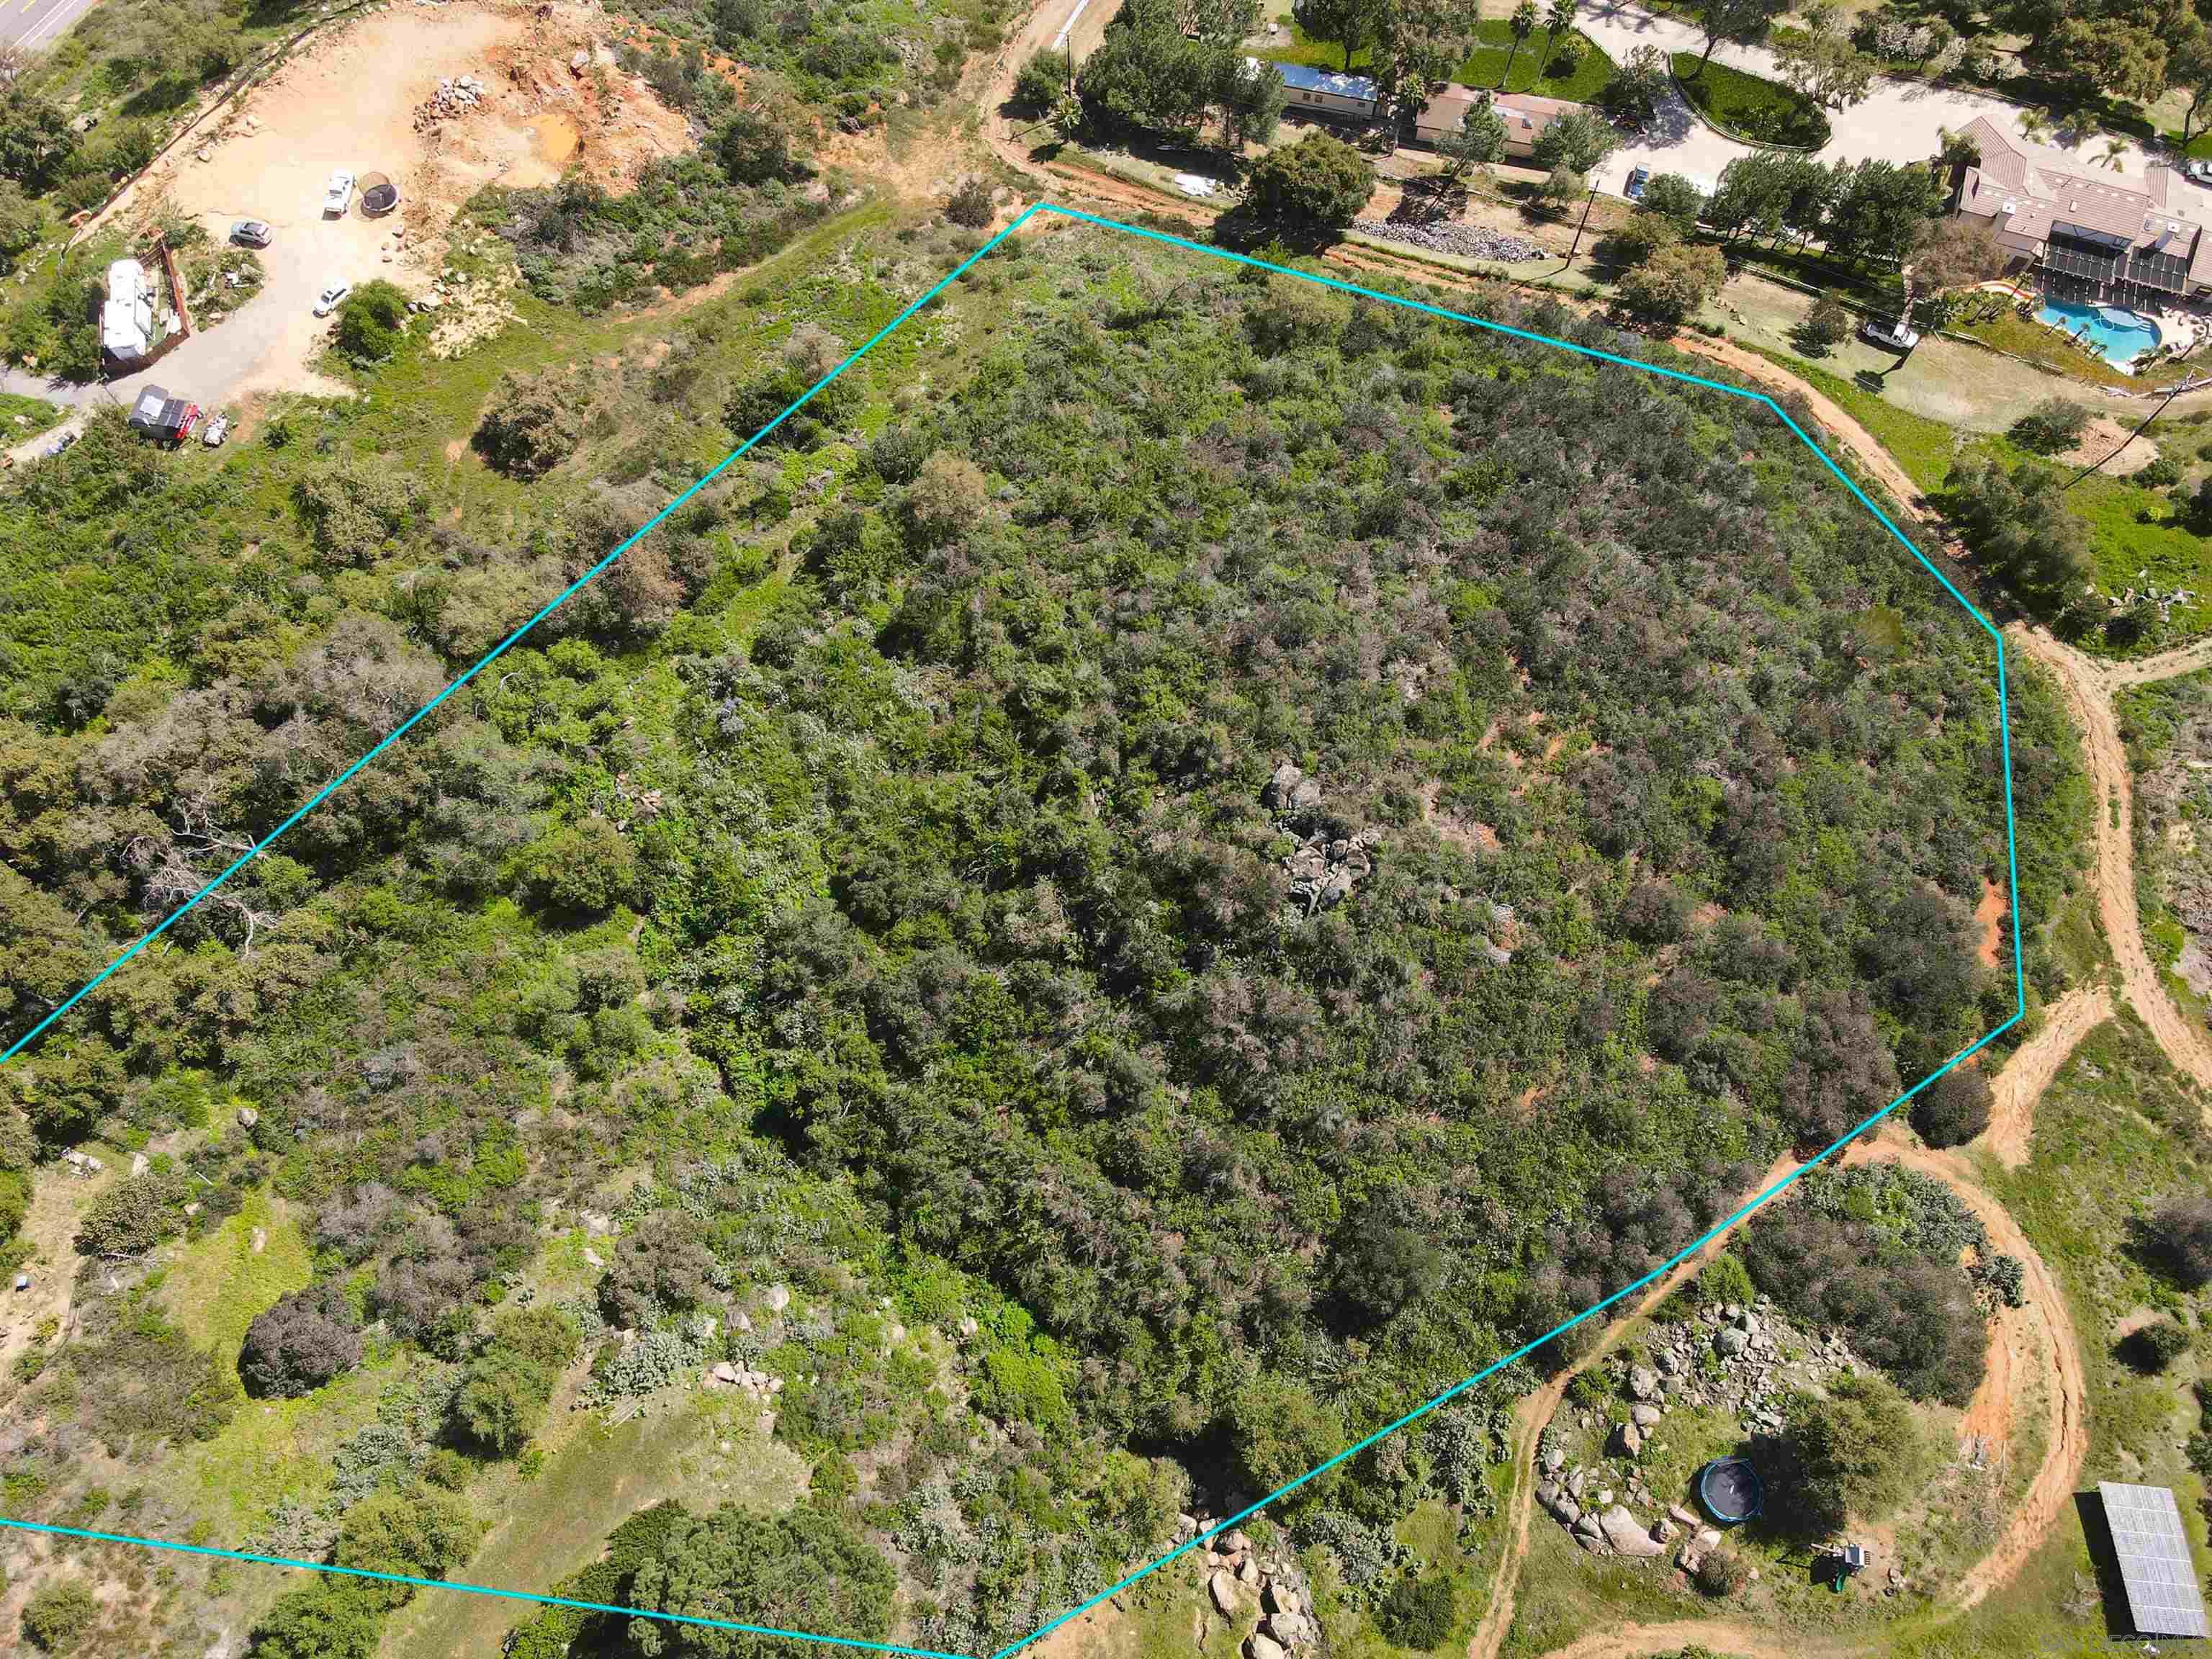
(724, 1375)
(1239, 1572)
(1449, 236)
(1323, 867)
(455, 95)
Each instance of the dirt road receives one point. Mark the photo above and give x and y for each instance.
(2036, 1340)
(2015, 1090)
(2088, 688)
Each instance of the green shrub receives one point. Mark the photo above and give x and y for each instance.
(372, 322)
(2054, 424)
(1416, 1612)
(58, 1617)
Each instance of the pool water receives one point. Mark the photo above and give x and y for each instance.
(2117, 332)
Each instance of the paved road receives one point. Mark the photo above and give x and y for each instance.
(1898, 121)
(34, 23)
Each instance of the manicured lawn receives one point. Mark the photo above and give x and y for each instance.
(1753, 108)
(1494, 44)
(1485, 65)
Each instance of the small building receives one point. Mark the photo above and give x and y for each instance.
(1445, 113)
(154, 414)
(2152, 1550)
(126, 318)
(1323, 92)
(1526, 117)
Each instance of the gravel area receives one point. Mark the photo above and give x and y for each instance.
(1467, 241)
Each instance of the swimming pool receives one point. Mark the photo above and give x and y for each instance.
(2117, 332)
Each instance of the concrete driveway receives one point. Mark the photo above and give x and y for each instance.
(1899, 120)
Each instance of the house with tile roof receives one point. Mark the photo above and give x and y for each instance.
(2111, 237)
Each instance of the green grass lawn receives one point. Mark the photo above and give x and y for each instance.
(1749, 107)
(220, 1283)
(1485, 66)
(2023, 336)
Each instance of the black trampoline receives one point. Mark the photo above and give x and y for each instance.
(1728, 1487)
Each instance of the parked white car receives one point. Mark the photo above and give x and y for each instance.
(332, 298)
(339, 195)
(1896, 336)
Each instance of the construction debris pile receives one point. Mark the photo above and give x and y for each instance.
(456, 96)
(1447, 236)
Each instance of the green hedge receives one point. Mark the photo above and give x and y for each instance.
(1748, 107)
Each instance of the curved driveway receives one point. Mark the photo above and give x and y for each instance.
(1898, 121)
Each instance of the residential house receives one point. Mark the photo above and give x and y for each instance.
(2113, 237)
(1323, 92)
(1526, 117)
(1444, 114)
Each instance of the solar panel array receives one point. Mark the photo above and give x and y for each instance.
(2163, 1598)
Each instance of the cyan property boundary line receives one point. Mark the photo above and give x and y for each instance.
(2012, 860)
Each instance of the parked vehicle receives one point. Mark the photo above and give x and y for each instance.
(166, 420)
(1890, 334)
(2199, 168)
(1633, 190)
(338, 196)
(218, 430)
(250, 233)
(332, 298)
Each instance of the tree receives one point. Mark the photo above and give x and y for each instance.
(1385, 1259)
(413, 1532)
(754, 147)
(1560, 16)
(970, 205)
(2189, 67)
(1956, 252)
(1880, 209)
(2015, 521)
(2177, 1239)
(1558, 187)
(1738, 22)
(132, 1216)
(323, 1618)
(1252, 100)
(2115, 56)
(1643, 235)
(58, 1617)
(1856, 1455)
(372, 322)
(1478, 142)
(506, 1385)
(1639, 87)
(1578, 141)
(1824, 326)
(806, 1569)
(1044, 81)
(2155, 1347)
(1820, 63)
(22, 222)
(2052, 425)
(1279, 1431)
(534, 421)
(1420, 42)
(36, 144)
(300, 1343)
(1523, 24)
(1955, 1108)
(659, 1267)
(1674, 197)
(582, 869)
(1750, 197)
(1416, 1612)
(1320, 183)
(1666, 288)
(947, 496)
(1353, 25)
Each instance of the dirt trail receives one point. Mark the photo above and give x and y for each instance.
(2088, 696)
(1539, 1408)
(2015, 1090)
(2035, 1341)
(2165, 666)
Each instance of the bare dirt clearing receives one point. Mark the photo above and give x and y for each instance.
(366, 98)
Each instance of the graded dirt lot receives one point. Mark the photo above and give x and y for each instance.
(356, 98)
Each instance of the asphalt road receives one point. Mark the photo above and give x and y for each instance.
(36, 23)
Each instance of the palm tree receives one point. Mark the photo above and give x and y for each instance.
(1523, 24)
(2114, 149)
(1561, 16)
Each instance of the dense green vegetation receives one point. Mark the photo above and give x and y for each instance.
(1241, 855)
(1749, 107)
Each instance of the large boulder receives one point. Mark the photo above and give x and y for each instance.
(1629, 1439)
(1223, 1586)
(1627, 1534)
(1281, 785)
(1644, 1416)
(1730, 1342)
(1643, 1382)
(1264, 1647)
